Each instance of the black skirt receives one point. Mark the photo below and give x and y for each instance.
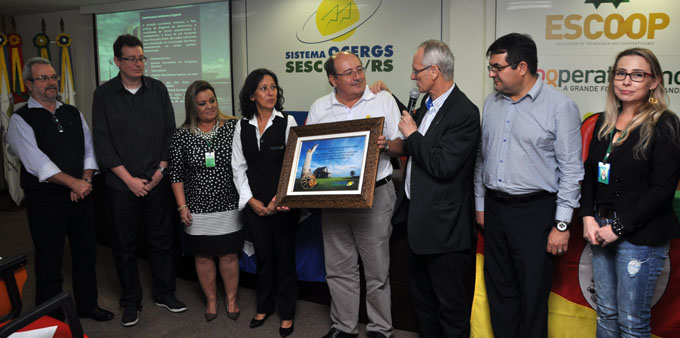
(214, 245)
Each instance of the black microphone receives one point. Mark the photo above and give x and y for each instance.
(413, 97)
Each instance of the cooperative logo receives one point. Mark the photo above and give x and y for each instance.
(613, 26)
(597, 3)
(336, 20)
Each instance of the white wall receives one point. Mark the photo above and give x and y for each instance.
(471, 31)
(468, 29)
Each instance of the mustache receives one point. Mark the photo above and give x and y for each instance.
(51, 87)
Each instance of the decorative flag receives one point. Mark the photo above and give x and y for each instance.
(16, 63)
(11, 163)
(572, 298)
(67, 88)
(5, 92)
(41, 41)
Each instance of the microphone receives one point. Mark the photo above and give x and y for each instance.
(413, 97)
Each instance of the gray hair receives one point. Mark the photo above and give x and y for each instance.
(28, 67)
(438, 53)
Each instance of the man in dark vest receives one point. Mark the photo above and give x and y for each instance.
(55, 147)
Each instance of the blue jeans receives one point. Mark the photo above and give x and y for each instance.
(625, 276)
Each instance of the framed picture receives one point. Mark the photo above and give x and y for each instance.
(330, 165)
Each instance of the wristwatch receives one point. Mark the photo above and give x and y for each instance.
(386, 148)
(561, 226)
(162, 170)
(617, 227)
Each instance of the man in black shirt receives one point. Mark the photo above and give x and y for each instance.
(133, 121)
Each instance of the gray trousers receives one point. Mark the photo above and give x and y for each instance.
(349, 234)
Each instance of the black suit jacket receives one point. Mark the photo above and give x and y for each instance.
(440, 213)
(641, 190)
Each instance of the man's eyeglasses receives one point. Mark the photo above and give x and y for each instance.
(60, 128)
(352, 72)
(415, 72)
(133, 59)
(498, 69)
(620, 75)
(46, 77)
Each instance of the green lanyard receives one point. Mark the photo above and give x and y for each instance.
(611, 138)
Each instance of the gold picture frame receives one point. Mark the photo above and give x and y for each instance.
(331, 165)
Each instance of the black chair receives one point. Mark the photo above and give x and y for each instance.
(63, 301)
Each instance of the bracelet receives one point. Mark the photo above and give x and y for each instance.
(87, 180)
(182, 207)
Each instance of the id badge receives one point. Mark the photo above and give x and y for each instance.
(603, 172)
(209, 159)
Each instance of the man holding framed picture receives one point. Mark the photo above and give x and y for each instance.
(350, 234)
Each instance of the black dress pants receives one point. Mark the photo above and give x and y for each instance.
(517, 267)
(52, 218)
(442, 287)
(153, 213)
(274, 241)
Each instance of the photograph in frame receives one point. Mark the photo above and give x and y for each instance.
(331, 165)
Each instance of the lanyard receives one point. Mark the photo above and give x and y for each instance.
(611, 138)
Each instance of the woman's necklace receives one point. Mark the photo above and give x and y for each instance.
(208, 136)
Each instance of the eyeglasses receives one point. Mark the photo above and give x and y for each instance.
(46, 77)
(352, 72)
(60, 128)
(415, 72)
(498, 69)
(620, 75)
(133, 59)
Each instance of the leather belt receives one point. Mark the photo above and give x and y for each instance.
(383, 181)
(505, 198)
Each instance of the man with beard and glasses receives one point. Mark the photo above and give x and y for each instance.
(55, 147)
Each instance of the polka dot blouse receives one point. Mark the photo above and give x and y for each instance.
(206, 189)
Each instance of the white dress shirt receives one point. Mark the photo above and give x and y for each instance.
(382, 104)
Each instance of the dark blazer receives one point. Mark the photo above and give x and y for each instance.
(640, 190)
(440, 216)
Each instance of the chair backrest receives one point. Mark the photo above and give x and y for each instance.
(587, 128)
(12, 279)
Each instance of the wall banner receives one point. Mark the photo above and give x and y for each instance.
(578, 40)
(294, 38)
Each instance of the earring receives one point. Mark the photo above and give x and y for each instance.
(652, 99)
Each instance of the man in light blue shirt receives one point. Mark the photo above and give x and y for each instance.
(526, 186)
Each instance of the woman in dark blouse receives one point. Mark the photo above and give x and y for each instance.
(259, 145)
(631, 174)
(207, 200)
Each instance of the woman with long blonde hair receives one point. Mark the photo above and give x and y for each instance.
(631, 174)
(207, 200)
